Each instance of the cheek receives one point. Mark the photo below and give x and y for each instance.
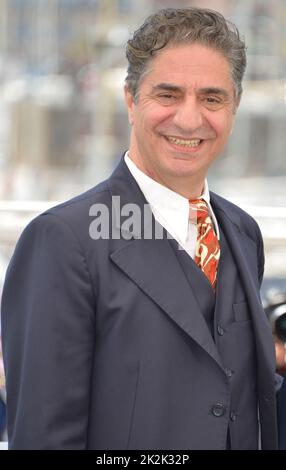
(223, 126)
(155, 116)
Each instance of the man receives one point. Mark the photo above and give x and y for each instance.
(119, 335)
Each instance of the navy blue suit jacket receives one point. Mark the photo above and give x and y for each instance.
(104, 344)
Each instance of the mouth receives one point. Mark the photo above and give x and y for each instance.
(184, 143)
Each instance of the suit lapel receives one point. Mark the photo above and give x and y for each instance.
(153, 266)
(244, 251)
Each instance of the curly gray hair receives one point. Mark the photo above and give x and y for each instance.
(175, 26)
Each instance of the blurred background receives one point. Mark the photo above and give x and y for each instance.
(63, 123)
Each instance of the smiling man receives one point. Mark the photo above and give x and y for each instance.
(134, 341)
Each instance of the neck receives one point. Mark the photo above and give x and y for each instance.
(191, 188)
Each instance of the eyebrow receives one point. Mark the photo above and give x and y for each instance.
(214, 91)
(205, 91)
(167, 86)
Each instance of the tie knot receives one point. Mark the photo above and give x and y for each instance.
(199, 211)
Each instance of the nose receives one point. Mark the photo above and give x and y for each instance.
(188, 117)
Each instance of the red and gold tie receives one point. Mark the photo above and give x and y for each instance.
(207, 247)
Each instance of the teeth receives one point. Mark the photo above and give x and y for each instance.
(185, 143)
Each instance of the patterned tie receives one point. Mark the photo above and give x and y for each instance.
(207, 247)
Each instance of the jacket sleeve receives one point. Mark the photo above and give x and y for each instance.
(47, 315)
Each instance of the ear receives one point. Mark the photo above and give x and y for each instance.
(129, 100)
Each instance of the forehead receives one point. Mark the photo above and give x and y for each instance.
(192, 65)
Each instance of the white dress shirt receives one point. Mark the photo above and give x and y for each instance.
(170, 209)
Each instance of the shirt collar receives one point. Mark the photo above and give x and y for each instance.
(169, 208)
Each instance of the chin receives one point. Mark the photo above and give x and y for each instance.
(184, 167)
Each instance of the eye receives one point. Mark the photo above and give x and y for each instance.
(166, 98)
(166, 95)
(213, 102)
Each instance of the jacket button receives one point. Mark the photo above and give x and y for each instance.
(228, 373)
(233, 416)
(220, 330)
(218, 410)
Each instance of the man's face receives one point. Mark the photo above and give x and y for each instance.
(183, 116)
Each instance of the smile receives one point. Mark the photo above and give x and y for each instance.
(184, 142)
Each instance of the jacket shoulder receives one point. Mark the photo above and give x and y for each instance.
(99, 193)
(71, 216)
